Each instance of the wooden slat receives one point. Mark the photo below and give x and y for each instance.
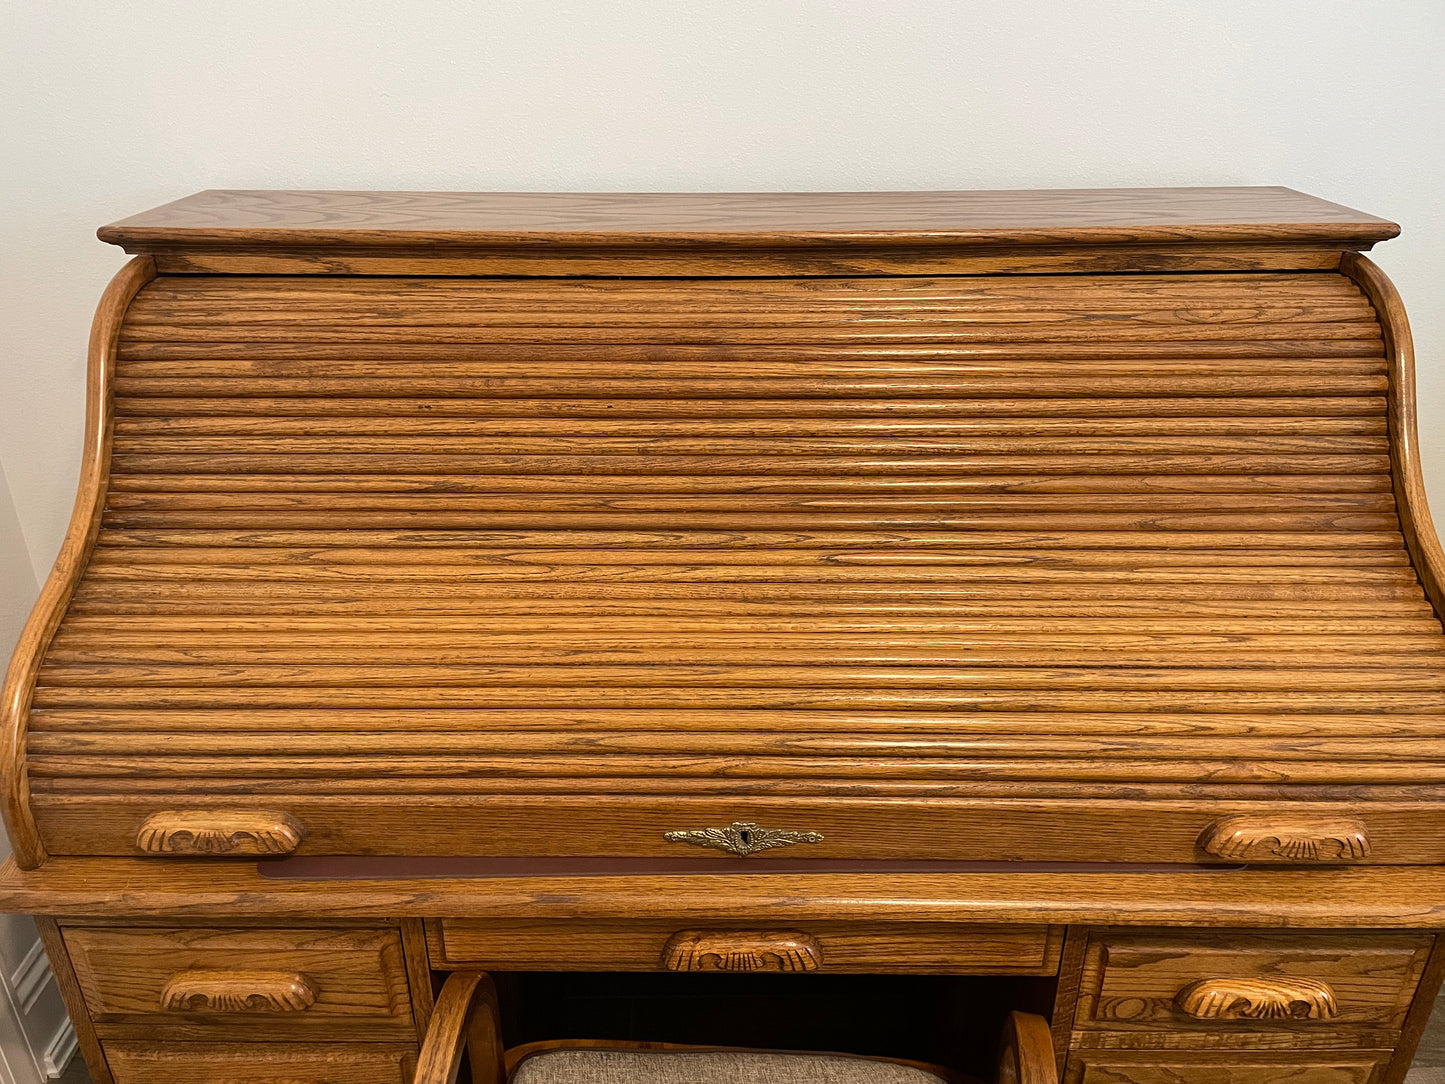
(883, 426)
(597, 729)
(459, 542)
(1155, 404)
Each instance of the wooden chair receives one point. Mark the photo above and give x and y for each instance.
(466, 1018)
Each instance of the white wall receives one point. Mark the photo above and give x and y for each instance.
(107, 108)
(111, 107)
(35, 1036)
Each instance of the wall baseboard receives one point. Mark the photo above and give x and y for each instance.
(31, 977)
(60, 1050)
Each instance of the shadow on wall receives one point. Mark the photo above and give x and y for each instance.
(36, 1039)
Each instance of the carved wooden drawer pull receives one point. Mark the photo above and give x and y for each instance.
(741, 950)
(237, 991)
(1257, 999)
(1287, 839)
(220, 832)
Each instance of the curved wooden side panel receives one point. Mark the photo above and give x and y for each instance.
(1409, 485)
(71, 561)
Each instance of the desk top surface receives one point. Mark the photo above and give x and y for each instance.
(1365, 897)
(1068, 216)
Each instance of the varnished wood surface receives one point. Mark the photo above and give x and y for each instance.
(97, 1070)
(219, 832)
(863, 948)
(211, 990)
(139, 1062)
(905, 257)
(1026, 1056)
(1134, 980)
(1409, 482)
(516, 550)
(80, 537)
(465, 1021)
(579, 815)
(966, 527)
(1225, 1067)
(201, 890)
(434, 220)
(356, 978)
(742, 950)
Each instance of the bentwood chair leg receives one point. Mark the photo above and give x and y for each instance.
(465, 1019)
(1026, 1054)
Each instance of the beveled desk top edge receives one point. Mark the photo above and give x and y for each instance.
(1364, 897)
(259, 220)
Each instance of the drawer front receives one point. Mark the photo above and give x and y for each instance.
(1364, 1067)
(261, 1063)
(192, 983)
(1304, 982)
(856, 827)
(931, 948)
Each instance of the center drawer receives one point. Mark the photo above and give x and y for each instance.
(179, 983)
(622, 945)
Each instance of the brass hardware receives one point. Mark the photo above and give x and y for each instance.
(1257, 999)
(237, 991)
(1284, 839)
(741, 950)
(742, 838)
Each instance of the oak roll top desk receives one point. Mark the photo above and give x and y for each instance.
(985, 600)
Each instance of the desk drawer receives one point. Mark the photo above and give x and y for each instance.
(1304, 982)
(180, 983)
(261, 1063)
(883, 948)
(1233, 1067)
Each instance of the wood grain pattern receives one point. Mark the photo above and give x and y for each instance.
(1421, 1008)
(1363, 897)
(301, 219)
(867, 948)
(1232, 1067)
(1144, 980)
(1409, 484)
(368, 233)
(418, 973)
(1026, 1055)
(989, 527)
(742, 950)
(242, 833)
(1257, 999)
(75, 551)
(465, 1021)
(532, 234)
(356, 978)
(202, 990)
(580, 813)
(139, 1062)
(672, 507)
(66, 981)
(1288, 840)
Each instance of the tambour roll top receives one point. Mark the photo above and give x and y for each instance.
(1076, 527)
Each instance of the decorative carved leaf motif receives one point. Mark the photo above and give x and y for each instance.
(219, 833)
(1257, 999)
(742, 950)
(201, 991)
(1287, 839)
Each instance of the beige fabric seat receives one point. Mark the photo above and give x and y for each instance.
(466, 1021)
(622, 1066)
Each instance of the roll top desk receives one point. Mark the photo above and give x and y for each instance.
(1028, 593)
